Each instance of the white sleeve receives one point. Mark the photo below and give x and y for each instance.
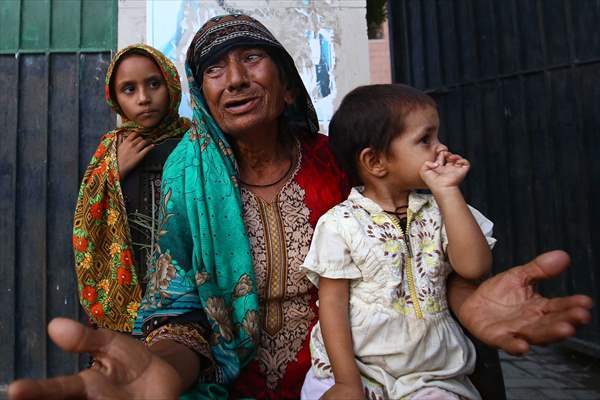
(329, 255)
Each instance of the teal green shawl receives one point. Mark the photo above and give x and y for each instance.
(202, 260)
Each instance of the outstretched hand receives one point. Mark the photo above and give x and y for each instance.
(447, 171)
(123, 369)
(506, 312)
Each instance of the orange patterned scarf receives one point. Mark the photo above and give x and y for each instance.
(109, 290)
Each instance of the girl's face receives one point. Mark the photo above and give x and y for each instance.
(417, 143)
(141, 91)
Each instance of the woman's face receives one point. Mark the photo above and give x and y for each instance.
(141, 91)
(244, 91)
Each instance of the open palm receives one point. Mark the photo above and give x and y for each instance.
(123, 369)
(506, 312)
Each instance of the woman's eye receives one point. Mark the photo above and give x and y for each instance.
(252, 57)
(212, 70)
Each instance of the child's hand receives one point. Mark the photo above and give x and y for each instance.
(345, 392)
(447, 171)
(131, 151)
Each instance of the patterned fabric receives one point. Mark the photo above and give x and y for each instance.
(287, 298)
(202, 260)
(190, 335)
(215, 238)
(109, 290)
(403, 334)
(280, 233)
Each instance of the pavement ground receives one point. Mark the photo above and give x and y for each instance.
(552, 372)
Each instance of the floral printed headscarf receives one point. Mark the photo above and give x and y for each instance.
(109, 290)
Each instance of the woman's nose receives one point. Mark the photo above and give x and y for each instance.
(237, 76)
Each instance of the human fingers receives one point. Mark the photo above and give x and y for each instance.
(512, 344)
(574, 302)
(146, 150)
(558, 321)
(142, 144)
(63, 387)
(429, 165)
(547, 331)
(458, 160)
(74, 337)
(136, 142)
(545, 266)
(441, 157)
(132, 137)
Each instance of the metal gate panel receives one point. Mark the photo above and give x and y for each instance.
(517, 83)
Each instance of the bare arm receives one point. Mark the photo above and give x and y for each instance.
(184, 360)
(468, 250)
(335, 326)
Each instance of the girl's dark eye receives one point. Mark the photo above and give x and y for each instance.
(425, 139)
(155, 84)
(128, 89)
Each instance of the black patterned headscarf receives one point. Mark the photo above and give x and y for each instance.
(223, 33)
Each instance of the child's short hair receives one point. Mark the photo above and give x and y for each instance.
(371, 116)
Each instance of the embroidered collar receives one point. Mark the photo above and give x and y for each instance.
(416, 201)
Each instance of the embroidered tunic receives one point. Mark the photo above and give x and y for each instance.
(279, 234)
(404, 336)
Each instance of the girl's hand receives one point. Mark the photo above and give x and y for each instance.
(131, 151)
(446, 172)
(345, 392)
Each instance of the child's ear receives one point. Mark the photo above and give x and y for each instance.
(372, 163)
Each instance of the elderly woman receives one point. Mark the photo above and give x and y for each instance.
(227, 312)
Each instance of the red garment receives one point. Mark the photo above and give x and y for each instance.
(317, 185)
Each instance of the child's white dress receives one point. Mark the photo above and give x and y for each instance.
(404, 336)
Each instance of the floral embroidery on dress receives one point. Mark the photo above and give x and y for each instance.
(280, 347)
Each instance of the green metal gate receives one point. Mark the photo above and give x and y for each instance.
(53, 58)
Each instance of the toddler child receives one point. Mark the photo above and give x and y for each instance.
(381, 258)
(143, 87)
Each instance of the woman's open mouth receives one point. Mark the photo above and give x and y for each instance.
(241, 106)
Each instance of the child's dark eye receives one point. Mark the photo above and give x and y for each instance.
(425, 139)
(155, 84)
(128, 89)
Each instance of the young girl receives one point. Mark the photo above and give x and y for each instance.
(381, 258)
(143, 87)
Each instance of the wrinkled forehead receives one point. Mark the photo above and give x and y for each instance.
(223, 33)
